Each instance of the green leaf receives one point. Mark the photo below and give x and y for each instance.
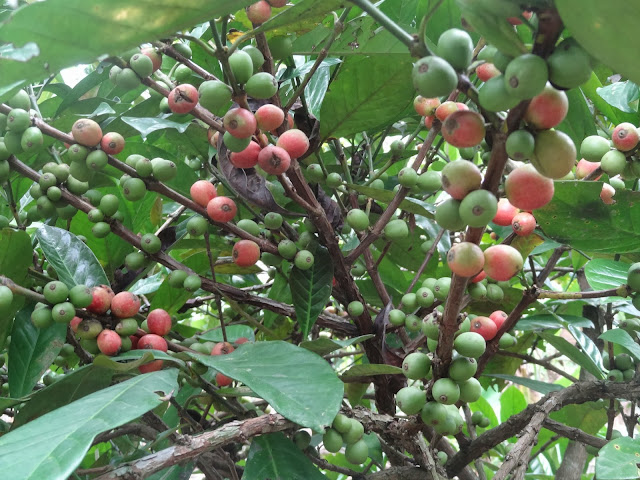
(109, 363)
(15, 260)
(140, 356)
(32, 351)
(385, 196)
(577, 217)
(274, 456)
(112, 26)
(588, 346)
(619, 459)
(588, 417)
(71, 387)
(310, 289)
(590, 90)
(578, 123)
(570, 351)
(367, 94)
(603, 29)
(621, 337)
(545, 321)
(234, 332)
(371, 369)
(177, 472)
(52, 446)
(298, 18)
(323, 346)
(148, 125)
(621, 95)
(603, 274)
(512, 402)
(279, 291)
(279, 372)
(74, 262)
(536, 385)
(316, 90)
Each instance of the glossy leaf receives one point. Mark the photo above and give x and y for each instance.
(134, 358)
(619, 459)
(371, 369)
(603, 30)
(148, 125)
(512, 402)
(544, 321)
(32, 351)
(310, 289)
(535, 385)
(588, 417)
(112, 26)
(279, 372)
(74, 262)
(570, 351)
(368, 93)
(578, 123)
(234, 332)
(577, 217)
(52, 446)
(603, 274)
(385, 196)
(324, 346)
(71, 387)
(622, 338)
(622, 95)
(588, 346)
(294, 18)
(15, 260)
(274, 456)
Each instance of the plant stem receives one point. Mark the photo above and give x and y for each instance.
(337, 28)
(392, 27)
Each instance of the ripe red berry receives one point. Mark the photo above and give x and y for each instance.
(294, 141)
(109, 342)
(501, 262)
(527, 189)
(75, 321)
(425, 106)
(274, 160)
(484, 326)
(202, 191)
(102, 296)
(112, 143)
(240, 123)
(246, 253)
(269, 117)
(222, 348)
(498, 318)
(625, 137)
(183, 98)
(505, 213)
(247, 158)
(153, 342)
(86, 132)
(223, 380)
(487, 71)
(523, 224)
(159, 322)
(259, 12)
(221, 209)
(151, 366)
(155, 56)
(125, 305)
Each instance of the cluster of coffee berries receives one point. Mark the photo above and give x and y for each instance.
(349, 431)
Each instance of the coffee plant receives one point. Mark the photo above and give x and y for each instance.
(319, 239)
